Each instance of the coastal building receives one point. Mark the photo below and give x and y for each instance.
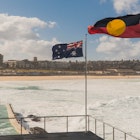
(1, 60)
(10, 64)
(45, 67)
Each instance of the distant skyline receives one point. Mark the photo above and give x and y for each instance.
(29, 28)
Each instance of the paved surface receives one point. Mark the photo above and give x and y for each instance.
(55, 136)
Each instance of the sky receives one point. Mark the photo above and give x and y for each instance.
(29, 28)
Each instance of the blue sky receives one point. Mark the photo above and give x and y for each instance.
(30, 28)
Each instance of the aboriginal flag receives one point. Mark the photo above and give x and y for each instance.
(127, 26)
(73, 49)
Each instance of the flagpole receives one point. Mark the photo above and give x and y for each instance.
(86, 82)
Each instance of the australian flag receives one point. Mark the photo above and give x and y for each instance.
(67, 50)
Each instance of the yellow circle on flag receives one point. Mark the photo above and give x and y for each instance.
(116, 27)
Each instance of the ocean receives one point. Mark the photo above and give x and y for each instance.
(114, 101)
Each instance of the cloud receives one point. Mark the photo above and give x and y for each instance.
(20, 38)
(117, 48)
(51, 24)
(27, 49)
(102, 1)
(127, 6)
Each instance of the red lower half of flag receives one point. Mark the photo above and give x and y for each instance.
(130, 31)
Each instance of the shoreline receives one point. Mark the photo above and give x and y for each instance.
(36, 78)
(14, 122)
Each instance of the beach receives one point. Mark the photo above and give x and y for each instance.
(36, 78)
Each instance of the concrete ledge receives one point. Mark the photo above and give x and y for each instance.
(14, 122)
(55, 136)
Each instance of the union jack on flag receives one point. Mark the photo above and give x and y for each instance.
(75, 45)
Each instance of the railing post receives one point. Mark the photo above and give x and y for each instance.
(67, 123)
(113, 134)
(44, 123)
(95, 126)
(21, 125)
(124, 136)
(88, 123)
(104, 131)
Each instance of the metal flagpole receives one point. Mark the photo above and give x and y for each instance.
(86, 82)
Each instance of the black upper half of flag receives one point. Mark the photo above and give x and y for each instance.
(67, 50)
(128, 19)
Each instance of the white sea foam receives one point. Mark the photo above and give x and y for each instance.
(115, 101)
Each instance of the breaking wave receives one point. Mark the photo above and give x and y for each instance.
(28, 88)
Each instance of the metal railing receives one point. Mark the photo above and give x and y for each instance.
(98, 127)
(109, 132)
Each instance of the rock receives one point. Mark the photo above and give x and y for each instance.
(18, 114)
(34, 118)
(31, 116)
(37, 130)
(19, 117)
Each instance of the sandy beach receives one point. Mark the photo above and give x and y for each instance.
(35, 78)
